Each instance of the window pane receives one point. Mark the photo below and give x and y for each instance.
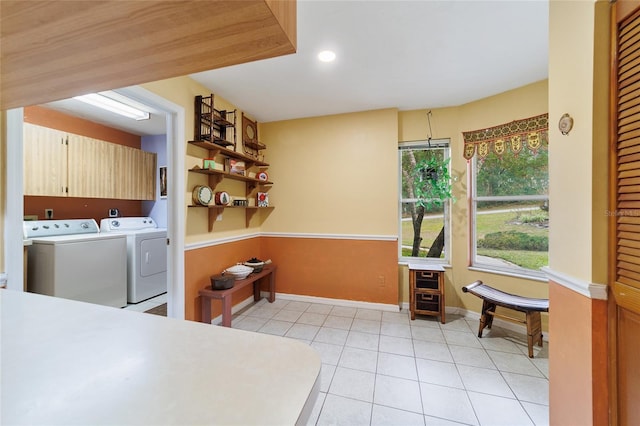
(423, 208)
(430, 228)
(512, 234)
(524, 174)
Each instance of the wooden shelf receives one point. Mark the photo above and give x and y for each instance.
(215, 210)
(215, 149)
(255, 145)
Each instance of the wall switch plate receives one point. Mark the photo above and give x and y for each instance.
(48, 213)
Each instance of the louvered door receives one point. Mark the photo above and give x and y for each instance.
(625, 312)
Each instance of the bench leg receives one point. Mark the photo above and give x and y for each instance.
(534, 331)
(486, 319)
(205, 310)
(226, 311)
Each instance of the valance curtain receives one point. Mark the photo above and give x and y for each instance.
(530, 132)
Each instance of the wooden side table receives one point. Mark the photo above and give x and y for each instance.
(426, 290)
(207, 294)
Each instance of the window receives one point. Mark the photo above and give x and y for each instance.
(424, 222)
(510, 212)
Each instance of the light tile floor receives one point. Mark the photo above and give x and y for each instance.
(381, 368)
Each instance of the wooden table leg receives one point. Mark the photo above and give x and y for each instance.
(226, 311)
(256, 290)
(205, 310)
(272, 287)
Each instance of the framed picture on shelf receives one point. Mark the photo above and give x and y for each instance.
(163, 182)
(236, 167)
(263, 199)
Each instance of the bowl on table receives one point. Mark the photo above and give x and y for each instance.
(238, 271)
(255, 263)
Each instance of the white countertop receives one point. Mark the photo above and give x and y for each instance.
(67, 362)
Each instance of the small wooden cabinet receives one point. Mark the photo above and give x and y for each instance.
(426, 290)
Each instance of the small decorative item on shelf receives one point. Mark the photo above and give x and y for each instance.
(262, 176)
(263, 199)
(236, 167)
(240, 202)
(208, 163)
(202, 195)
(252, 146)
(222, 198)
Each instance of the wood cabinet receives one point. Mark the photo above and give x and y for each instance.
(426, 290)
(215, 176)
(62, 164)
(45, 161)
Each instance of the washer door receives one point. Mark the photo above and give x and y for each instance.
(153, 256)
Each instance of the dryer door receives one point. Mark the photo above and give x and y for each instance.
(153, 256)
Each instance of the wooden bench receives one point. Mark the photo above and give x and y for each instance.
(207, 294)
(492, 297)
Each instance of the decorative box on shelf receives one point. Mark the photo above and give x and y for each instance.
(263, 199)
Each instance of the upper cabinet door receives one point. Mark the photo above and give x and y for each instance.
(45, 161)
(136, 171)
(92, 171)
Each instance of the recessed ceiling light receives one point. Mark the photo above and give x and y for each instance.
(327, 56)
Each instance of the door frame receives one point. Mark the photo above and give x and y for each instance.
(176, 228)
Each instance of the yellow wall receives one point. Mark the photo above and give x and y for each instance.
(449, 123)
(334, 175)
(579, 64)
(182, 91)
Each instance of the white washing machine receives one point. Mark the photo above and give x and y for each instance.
(73, 260)
(146, 255)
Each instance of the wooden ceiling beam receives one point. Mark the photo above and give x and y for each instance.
(52, 50)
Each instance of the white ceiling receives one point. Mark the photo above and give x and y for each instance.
(391, 54)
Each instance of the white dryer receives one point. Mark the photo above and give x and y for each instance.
(72, 260)
(146, 255)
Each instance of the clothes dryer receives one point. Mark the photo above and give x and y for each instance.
(146, 255)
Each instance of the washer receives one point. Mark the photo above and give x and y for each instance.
(146, 255)
(73, 260)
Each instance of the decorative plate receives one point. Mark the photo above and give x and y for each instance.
(262, 176)
(565, 124)
(202, 195)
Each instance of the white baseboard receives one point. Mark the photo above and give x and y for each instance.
(337, 302)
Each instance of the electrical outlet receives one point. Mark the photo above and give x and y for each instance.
(219, 217)
(48, 213)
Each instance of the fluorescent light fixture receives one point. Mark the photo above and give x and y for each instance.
(116, 103)
(327, 56)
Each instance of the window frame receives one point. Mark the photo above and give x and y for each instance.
(445, 144)
(473, 241)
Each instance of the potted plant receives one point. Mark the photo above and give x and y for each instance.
(432, 182)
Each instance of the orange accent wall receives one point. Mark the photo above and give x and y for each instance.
(578, 386)
(79, 208)
(330, 268)
(362, 270)
(70, 207)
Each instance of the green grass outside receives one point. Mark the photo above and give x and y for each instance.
(485, 224)
(526, 259)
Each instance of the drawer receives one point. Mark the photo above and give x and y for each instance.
(427, 280)
(428, 302)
